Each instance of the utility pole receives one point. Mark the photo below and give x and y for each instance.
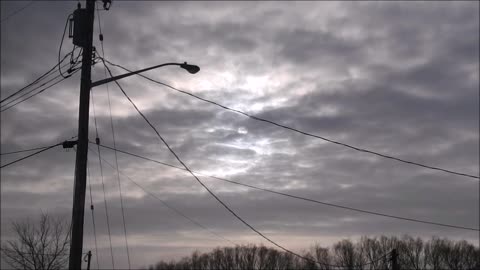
(395, 260)
(88, 259)
(83, 36)
(83, 20)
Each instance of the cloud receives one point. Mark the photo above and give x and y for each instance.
(397, 78)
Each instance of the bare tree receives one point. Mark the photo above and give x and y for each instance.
(368, 253)
(38, 246)
(412, 251)
(347, 255)
(371, 251)
(434, 253)
(322, 256)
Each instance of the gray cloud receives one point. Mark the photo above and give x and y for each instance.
(397, 78)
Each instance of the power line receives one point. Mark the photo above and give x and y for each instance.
(206, 188)
(31, 155)
(383, 257)
(16, 11)
(28, 92)
(38, 253)
(72, 55)
(35, 253)
(93, 216)
(299, 197)
(114, 144)
(39, 92)
(46, 74)
(61, 43)
(44, 148)
(302, 132)
(103, 183)
(21, 151)
(73, 63)
(178, 212)
(191, 220)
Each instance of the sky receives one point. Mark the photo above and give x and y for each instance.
(398, 78)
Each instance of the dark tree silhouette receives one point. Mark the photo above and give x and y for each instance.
(368, 253)
(42, 245)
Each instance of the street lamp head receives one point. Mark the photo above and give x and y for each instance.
(190, 68)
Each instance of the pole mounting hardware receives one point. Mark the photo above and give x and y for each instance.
(69, 144)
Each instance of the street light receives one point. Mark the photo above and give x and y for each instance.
(192, 69)
(75, 259)
(83, 37)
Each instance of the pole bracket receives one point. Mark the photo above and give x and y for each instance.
(69, 144)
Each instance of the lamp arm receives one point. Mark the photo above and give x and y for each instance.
(111, 79)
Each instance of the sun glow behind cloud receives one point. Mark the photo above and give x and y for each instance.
(398, 78)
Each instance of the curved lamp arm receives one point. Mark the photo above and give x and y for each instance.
(190, 68)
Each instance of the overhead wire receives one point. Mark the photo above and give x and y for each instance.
(103, 183)
(206, 188)
(61, 42)
(16, 11)
(30, 91)
(37, 93)
(114, 142)
(43, 148)
(175, 210)
(46, 74)
(10, 105)
(188, 218)
(72, 55)
(375, 260)
(303, 132)
(31, 155)
(40, 253)
(298, 197)
(17, 95)
(89, 179)
(22, 151)
(91, 211)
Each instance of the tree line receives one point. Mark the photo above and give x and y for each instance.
(367, 253)
(45, 245)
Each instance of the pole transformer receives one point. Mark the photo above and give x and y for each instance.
(83, 37)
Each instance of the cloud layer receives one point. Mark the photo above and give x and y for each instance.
(397, 78)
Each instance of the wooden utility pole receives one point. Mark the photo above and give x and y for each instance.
(395, 260)
(83, 37)
(88, 259)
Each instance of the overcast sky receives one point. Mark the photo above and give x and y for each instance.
(397, 78)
